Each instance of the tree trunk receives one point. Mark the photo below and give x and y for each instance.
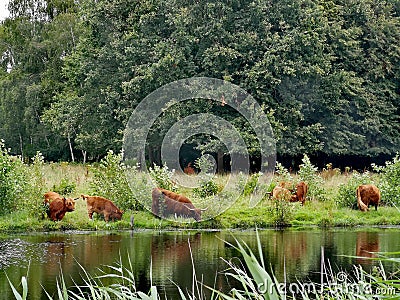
(84, 154)
(70, 149)
(220, 162)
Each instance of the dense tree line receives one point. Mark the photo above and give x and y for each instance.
(326, 72)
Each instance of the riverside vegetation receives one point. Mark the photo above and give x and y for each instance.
(330, 201)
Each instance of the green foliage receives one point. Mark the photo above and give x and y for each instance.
(331, 67)
(281, 212)
(346, 195)
(110, 181)
(251, 184)
(283, 173)
(309, 174)
(65, 187)
(33, 199)
(389, 181)
(208, 186)
(13, 180)
(162, 177)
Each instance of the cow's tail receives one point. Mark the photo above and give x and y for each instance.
(84, 197)
(361, 204)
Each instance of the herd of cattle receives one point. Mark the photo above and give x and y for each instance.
(166, 203)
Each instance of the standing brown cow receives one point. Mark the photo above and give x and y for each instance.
(58, 208)
(301, 192)
(368, 194)
(102, 206)
(50, 196)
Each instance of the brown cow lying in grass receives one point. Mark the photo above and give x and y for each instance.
(102, 206)
(167, 203)
(367, 195)
(283, 193)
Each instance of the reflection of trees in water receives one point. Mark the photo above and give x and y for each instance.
(298, 251)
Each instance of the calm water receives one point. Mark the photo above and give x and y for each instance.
(42, 256)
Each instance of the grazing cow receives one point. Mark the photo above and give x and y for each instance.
(301, 192)
(102, 206)
(168, 206)
(50, 196)
(281, 193)
(175, 196)
(58, 208)
(367, 195)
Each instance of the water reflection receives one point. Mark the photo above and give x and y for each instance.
(171, 255)
(366, 247)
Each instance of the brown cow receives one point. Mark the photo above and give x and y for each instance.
(281, 193)
(102, 206)
(175, 196)
(367, 195)
(58, 208)
(301, 192)
(50, 196)
(169, 206)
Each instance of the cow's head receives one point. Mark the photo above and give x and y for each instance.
(69, 204)
(195, 213)
(116, 214)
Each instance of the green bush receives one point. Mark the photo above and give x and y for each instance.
(346, 195)
(283, 173)
(251, 184)
(65, 187)
(162, 177)
(309, 174)
(13, 181)
(281, 212)
(207, 186)
(110, 181)
(390, 181)
(33, 200)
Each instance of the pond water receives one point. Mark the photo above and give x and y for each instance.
(165, 256)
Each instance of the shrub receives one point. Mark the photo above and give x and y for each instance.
(207, 186)
(251, 184)
(33, 199)
(281, 212)
(12, 180)
(283, 173)
(162, 177)
(390, 181)
(309, 174)
(110, 181)
(346, 195)
(65, 187)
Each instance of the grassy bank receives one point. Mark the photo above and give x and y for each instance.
(330, 198)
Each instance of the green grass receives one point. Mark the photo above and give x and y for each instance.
(239, 215)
